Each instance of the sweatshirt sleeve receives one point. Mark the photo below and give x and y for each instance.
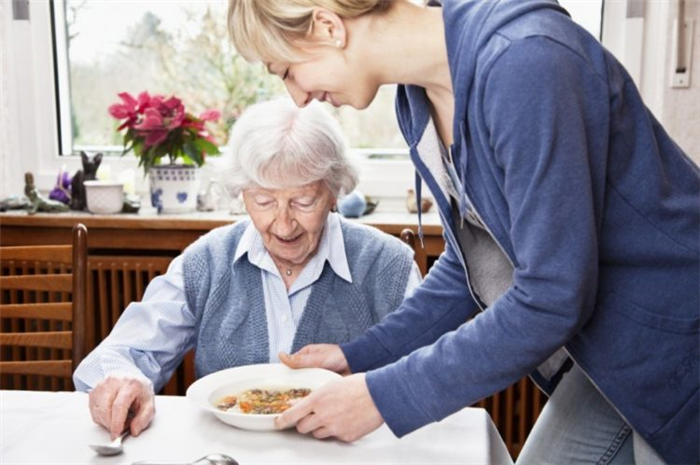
(441, 303)
(544, 116)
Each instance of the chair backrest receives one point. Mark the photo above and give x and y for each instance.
(42, 312)
(409, 237)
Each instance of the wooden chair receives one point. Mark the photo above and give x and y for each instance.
(42, 313)
(409, 237)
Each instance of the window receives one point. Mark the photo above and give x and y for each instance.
(182, 48)
(179, 48)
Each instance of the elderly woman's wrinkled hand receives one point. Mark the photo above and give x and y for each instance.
(118, 402)
(328, 356)
(343, 409)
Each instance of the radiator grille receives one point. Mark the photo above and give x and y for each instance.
(115, 282)
(17, 325)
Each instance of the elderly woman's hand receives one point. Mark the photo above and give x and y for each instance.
(343, 409)
(118, 402)
(328, 356)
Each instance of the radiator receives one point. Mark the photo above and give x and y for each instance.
(32, 382)
(113, 282)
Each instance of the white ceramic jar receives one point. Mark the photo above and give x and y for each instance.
(104, 197)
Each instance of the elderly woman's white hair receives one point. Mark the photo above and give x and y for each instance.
(276, 145)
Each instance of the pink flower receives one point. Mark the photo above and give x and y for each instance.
(192, 123)
(176, 117)
(155, 138)
(152, 119)
(119, 111)
(158, 126)
(210, 115)
(143, 102)
(173, 103)
(125, 110)
(128, 100)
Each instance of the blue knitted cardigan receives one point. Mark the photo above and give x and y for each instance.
(227, 297)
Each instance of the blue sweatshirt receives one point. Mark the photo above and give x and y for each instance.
(595, 206)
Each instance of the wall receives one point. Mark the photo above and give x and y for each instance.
(678, 109)
(27, 113)
(9, 142)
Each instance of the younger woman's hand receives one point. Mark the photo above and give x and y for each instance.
(343, 409)
(328, 356)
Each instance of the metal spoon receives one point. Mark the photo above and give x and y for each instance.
(211, 459)
(113, 448)
(216, 459)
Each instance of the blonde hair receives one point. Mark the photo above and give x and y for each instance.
(266, 29)
(277, 145)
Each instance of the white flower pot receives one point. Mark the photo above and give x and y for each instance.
(104, 197)
(174, 188)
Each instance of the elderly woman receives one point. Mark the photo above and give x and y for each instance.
(293, 275)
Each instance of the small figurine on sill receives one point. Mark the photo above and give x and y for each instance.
(352, 205)
(14, 202)
(132, 204)
(371, 204)
(60, 191)
(412, 206)
(88, 173)
(37, 202)
(356, 204)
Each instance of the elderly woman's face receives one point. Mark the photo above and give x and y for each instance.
(290, 221)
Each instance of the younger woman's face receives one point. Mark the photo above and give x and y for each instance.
(329, 73)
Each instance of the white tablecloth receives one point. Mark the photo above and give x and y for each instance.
(55, 428)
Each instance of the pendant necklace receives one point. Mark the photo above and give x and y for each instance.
(288, 272)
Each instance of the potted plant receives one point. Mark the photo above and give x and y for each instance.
(157, 127)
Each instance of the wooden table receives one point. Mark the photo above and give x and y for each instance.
(55, 428)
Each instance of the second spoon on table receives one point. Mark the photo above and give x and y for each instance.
(211, 459)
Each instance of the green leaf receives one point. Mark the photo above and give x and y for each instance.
(188, 161)
(137, 147)
(205, 146)
(193, 153)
